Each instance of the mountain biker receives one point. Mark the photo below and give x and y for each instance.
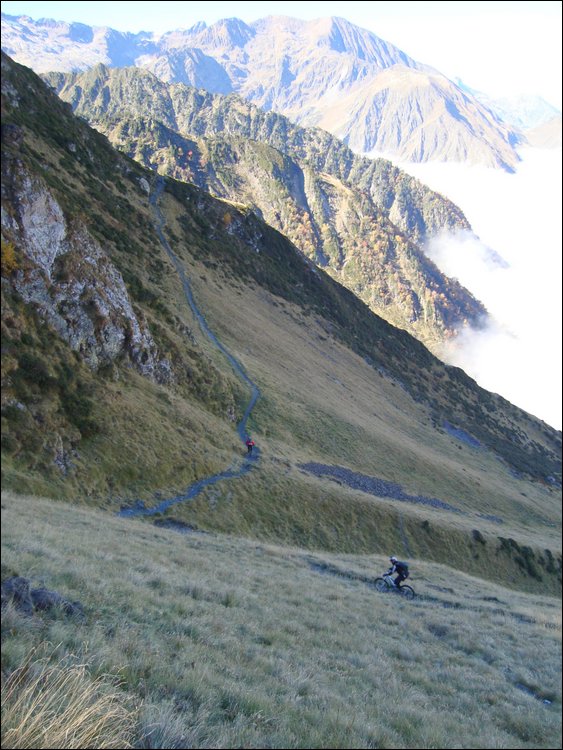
(400, 568)
(249, 444)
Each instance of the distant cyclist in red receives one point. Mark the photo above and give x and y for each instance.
(249, 444)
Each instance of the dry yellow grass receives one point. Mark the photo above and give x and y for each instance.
(321, 402)
(237, 641)
(225, 642)
(56, 706)
(321, 398)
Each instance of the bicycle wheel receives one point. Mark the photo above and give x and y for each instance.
(381, 585)
(407, 592)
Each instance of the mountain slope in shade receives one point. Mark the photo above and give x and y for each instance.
(327, 73)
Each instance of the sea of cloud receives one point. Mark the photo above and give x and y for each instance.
(513, 266)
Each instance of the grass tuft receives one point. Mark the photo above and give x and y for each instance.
(60, 706)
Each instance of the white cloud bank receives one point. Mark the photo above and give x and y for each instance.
(516, 217)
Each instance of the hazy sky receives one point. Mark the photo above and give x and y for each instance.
(501, 48)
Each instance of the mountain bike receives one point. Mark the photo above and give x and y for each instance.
(386, 584)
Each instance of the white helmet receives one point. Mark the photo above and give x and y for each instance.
(393, 559)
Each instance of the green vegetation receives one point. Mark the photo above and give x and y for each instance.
(361, 220)
(9, 260)
(70, 431)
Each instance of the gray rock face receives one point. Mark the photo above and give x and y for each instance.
(43, 599)
(42, 225)
(72, 282)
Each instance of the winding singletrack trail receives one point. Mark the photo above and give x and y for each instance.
(138, 509)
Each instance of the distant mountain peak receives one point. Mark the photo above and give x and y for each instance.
(226, 32)
(197, 27)
(325, 73)
(524, 111)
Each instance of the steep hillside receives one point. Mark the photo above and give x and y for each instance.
(363, 221)
(326, 73)
(213, 641)
(111, 392)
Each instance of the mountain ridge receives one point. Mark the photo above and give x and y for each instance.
(278, 69)
(364, 221)
(259, 626)
(524, 111)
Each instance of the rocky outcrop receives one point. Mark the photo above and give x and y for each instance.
(69, 279)
(17, 591)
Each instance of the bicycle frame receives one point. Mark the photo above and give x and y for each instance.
(386, 583)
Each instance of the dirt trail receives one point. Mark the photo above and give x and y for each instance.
(355, 480)
(138, 508)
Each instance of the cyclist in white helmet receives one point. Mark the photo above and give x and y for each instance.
(400, 568)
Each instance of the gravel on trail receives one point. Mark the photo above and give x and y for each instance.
(372, 485)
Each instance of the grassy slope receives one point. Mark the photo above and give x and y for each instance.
(214, 641)
(321, 402)
(230, 640)
(304, 341)
(103, 193)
